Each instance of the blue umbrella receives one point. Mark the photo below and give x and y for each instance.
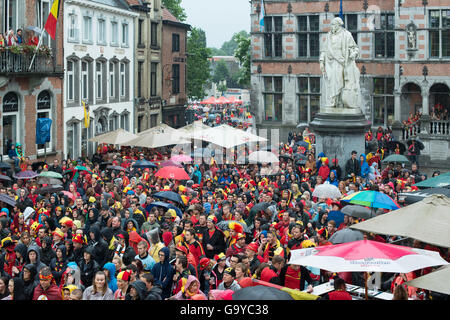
(169, 195)
(7, 199)
(144, 164)
(166, 206)
(336, 216)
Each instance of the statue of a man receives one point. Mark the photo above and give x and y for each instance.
(337, 63)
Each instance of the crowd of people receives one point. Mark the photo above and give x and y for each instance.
(16, 38)
(103, 235)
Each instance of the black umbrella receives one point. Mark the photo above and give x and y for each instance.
(104, 164)
(7, 199)
(285, 157)
(419, 144)
(356, 211)
(116, 168)
(47, 180)
(392, 145)
(144, 164)
(169, 195)
(50, 189)
(416, 196)
(261, 293)
(35, 165)
(3, 177)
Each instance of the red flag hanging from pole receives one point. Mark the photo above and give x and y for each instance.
(50, 25)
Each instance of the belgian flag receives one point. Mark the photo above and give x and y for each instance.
(50, 25)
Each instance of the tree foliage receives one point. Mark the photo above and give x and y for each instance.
(174, 6)
(221, 72)
(242, 53)
(230, 46)
(198, 72)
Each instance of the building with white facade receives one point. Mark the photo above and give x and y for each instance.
(99, 70)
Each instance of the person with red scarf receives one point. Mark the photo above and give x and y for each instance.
(194, 247)
(8, 258)
(47, 288)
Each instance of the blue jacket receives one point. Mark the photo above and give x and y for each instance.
(112, 284)
(335, 181)
(365, 170)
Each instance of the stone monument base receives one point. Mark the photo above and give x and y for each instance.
(338, 134)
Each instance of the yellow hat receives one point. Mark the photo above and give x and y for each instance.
(172, 213)
(92, 199)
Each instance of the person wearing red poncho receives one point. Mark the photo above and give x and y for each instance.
(46, 289)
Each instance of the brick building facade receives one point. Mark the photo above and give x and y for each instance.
(404, 62)
(27, 94)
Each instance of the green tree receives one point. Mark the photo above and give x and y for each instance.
(217, 52)
(198, 72)
(242, 53)
(221, 72)
(174, 6)
(230, 46)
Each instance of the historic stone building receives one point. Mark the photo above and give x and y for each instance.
(30, 93)
(404, 63)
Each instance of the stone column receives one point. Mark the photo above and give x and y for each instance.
(425, 119)
(397, 125)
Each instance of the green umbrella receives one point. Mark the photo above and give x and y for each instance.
(396, 158)
(441, 181)
(51, 174)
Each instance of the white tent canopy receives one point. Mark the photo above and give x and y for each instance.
(119, 136)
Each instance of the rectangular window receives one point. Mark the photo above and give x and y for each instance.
(73, 30)
(125, 34)
(175, 78)
(84, 81)
(439, 33)
(87, 29)
(99, 79)
(111, 80)
(308, 36)
(140, 30)
(122, 80)
(175, 42)
(114, 33)
(153, 84)
(273, 37)
(139, 79)
(308, 92)
(101, 31)
(154, 34)
(383, 101)
(273, 98)
(385, 37)
(351, 24)
(70, 80)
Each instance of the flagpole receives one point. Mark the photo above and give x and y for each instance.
(37, 47)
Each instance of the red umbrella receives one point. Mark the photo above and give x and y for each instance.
(170, 163)
(171, 172)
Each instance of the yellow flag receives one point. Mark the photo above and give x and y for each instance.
(87, 119)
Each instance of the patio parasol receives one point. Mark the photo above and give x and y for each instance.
(435, 281)
(172, 173)
(442, 180)
(327, 191)
(366, 256)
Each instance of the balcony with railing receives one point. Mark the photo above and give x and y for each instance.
(16, 61)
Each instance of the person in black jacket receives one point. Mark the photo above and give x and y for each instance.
(352, 167)
(101, 252)
(154, 291)
(28, 275)
(88, 266)
(59, 264)
(46, 251)
(213, 240)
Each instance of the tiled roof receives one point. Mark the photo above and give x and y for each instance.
(167, 15)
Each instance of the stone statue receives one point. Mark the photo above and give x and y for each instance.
(412, 35)
(337, 63)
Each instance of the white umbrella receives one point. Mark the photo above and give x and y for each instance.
(435, 281)
(161, 128)
(326, 191)
(157, 139)
(263, 157)
(119, 136)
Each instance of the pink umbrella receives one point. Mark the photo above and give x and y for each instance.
(181, 158)
(170, 163)
(69, 194)
(210, 100)
(223, 100)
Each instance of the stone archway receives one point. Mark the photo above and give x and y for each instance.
(439, 101)
(411, 100)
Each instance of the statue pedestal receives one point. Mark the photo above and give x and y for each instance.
(338, 134)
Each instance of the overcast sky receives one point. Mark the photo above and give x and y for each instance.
(220, 19)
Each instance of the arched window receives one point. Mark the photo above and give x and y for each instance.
(10, 121)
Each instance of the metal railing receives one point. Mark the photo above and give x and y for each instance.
(14, 63)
